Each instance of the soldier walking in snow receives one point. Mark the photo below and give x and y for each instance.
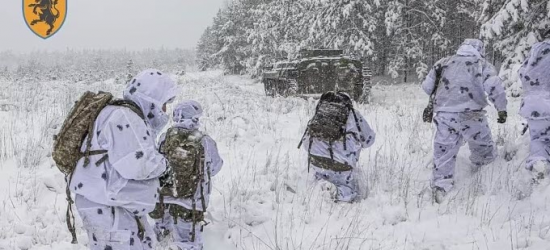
(535, 76)
(334, 139)
(193, 159)
(461, 84)
(116, 184)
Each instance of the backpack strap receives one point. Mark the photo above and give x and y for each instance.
(302, 140)
(70, 213)
(120, 103)
(309, 154)
(330, 150)
(141, 229)
(128, 104)
(193, 218)
(87, 153)
(209, 186)
(352, 110)
(344, 141)
(161, 205)
(356, 120)
(200, 169)
(438, 74)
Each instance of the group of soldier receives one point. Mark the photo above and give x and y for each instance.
(115, 199)
(461, 86)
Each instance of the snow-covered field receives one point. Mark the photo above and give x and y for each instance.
(264, 197)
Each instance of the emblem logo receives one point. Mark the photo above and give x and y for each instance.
(45, 17)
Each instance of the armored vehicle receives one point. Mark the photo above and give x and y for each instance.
(315, 72)
(280, 79)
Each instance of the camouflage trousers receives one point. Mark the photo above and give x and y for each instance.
(539, 131)
(453, 130)
(179, 222)
(346, 186)
(113, 228)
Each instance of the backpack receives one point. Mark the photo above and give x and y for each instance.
(185, 154)
(329, 124)
(78, 127)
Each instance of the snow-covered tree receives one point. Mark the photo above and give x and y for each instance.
(513, 26)
(395, 37)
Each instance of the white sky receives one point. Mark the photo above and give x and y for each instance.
(104, 24)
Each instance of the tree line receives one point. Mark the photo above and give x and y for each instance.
(91, 65)
(401, 38)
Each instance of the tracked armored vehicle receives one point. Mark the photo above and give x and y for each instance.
(280, 79)
(315, 72)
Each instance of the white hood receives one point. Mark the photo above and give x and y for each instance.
(150, 90)
(472, 47)
(187, 115)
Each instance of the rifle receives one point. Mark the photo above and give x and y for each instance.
(429, 110)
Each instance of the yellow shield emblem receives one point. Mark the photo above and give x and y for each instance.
(45, 17)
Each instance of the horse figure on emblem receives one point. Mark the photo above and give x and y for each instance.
(47, 8)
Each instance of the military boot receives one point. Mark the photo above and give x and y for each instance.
(438, 194)
(539, 172)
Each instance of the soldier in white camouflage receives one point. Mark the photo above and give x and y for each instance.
(335, 160)
(118, 189)
(535, 108)
(181, 207)
(467, 83)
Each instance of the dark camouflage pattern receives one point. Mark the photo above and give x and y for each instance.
(329, 121)
(78, 124)
(177, 211)
(331, 117)
(315, 72)
(329, 125)
(185, 154)
(185, 214)
(329, 164)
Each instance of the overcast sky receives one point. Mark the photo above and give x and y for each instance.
(103, 24)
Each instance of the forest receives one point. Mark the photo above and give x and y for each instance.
(399, 38)
(91, 65)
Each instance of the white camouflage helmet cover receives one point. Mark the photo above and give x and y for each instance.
(477, 44)
(150, 90)
(187, 114)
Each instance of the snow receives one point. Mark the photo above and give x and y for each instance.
(264, 197)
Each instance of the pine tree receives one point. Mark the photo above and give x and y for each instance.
(130, 72)
(205, 50)
(513, 26)
(396, 37)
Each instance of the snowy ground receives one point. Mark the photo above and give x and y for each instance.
(264, 197)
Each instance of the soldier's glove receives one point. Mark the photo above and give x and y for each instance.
(502, 115)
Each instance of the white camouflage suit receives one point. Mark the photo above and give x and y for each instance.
(355, 141)
(535, 76)
(112, 196)
(466, 82)
(187, 116)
